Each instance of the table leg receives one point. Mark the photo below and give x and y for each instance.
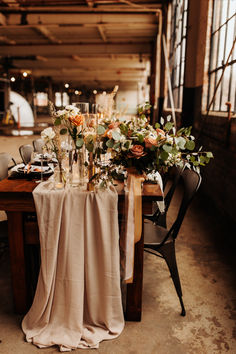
(17, 259)
(134, 290)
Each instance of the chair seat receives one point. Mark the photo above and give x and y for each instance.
(154, 234)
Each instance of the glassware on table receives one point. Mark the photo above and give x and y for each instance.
(82, 106)
(77, 168)
(59, 177)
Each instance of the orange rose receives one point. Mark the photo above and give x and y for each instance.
(161, 133)
(113, 125)
(92, 123)
(149, 142)
(77, 120)
(138, 151)
(108, 134)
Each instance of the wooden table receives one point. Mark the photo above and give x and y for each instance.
(17, 200)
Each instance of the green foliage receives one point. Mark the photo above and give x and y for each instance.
(63, 131)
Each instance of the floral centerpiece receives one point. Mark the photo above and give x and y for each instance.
(137, 144)
(131, 143)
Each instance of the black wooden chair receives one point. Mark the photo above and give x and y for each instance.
(160, 241)
(170, 181)
(25, 153)
(38, 145)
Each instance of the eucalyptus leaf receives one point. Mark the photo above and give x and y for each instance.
(116, 146)
(100, 130)
(164, 155)
(190, 145)
(89, 147)
(202, 159)
(115, 135)
(57, 121)
(180, 142)
(168, 126)
(79, 142)
(140, 138)
(167, 148)
(157, 125)
(110, 143)
(209, 154)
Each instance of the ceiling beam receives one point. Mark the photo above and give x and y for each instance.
(86, 25)
(82, 19)
(47, 34)
(117, 8)
(76, 49)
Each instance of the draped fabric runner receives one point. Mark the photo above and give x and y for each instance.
(132, 226)
(78, 298)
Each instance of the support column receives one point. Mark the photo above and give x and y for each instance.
(195, 57)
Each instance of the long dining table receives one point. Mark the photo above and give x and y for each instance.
(17, 201)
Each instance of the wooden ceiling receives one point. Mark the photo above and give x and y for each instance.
(95, 44)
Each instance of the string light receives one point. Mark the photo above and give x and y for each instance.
(67, 85)
(95, 92)
(76, 92)
(25, 74)
(13, 79)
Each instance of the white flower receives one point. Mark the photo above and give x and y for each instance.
(72, 109)
(152, 135)
(61, 112)
(48, 134)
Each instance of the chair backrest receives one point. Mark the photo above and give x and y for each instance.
(5, 160)
(25, 153)
(191, 181)
(173, 177)
(38, 145)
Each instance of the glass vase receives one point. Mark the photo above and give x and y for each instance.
(59, 177)
(77, 168)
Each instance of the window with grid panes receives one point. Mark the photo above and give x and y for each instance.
(179, 10)
(223, 34)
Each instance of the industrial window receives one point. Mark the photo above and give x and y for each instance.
(61, 99)
(177, 50)
(222, 49)
(41, 99)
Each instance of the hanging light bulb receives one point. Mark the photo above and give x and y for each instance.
(67, 85)
(25, 74)
(13, 79)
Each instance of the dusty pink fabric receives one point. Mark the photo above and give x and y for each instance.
(78, 298)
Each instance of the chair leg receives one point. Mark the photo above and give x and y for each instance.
(168, 252)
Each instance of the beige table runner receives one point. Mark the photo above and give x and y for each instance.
(78, 298)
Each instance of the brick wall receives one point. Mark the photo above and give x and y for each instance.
(219, 176)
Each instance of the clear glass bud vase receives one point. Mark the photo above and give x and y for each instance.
(59, 177)
(77, 168)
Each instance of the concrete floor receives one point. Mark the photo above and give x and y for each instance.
(207, 271)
